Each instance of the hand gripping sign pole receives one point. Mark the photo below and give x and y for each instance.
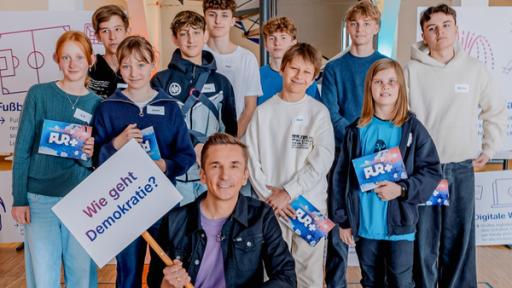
(160, 252)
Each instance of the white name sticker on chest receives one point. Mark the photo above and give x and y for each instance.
(208, 88)
(461, 88)
(122, 85)
(155, 110)
(82, 115)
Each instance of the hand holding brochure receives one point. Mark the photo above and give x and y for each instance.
(64, 139)
(385, 165)
(310, 224)
(439, 196)
(149, 143)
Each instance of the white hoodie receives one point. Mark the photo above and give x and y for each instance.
(447, 99)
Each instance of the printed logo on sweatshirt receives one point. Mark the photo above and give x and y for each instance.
(461, 88)
(301, 141)
(174, 89)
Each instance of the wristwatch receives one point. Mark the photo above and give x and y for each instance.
(403, 192)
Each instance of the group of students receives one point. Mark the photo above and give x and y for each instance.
(294, 141)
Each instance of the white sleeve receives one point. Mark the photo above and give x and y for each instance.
(256, 174)
(319, 161)
(252, 76)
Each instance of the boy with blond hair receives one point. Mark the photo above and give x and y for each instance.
(342, 94)
(280, 33)
(238, 64)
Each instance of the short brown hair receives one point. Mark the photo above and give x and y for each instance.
(442, 8)
(104, 13)
(364, 9)
(136, 45)
(222, 139)
(308, 54)
(368, 111)
(280, 24)
(83, 43)
(220, 5)
(187, 18)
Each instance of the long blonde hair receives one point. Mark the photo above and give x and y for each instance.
(401, 110)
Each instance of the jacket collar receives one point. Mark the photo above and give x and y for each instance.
(185, 66)
(120, 96)
(239, 214)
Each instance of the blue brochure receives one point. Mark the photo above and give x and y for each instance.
(149, 143)
(310, 224)
(385, 165)
(64, 139)
(439, 196)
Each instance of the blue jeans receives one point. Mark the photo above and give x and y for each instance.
(445, 239)
(337, 260)
(190, 191)
(48, 245)
(385, 263)
(130, 261)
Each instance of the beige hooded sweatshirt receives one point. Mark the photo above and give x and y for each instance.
(449, 98)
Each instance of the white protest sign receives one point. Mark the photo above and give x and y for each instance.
(493, 208)
(117, 202)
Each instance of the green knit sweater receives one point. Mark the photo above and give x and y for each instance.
(44, 174)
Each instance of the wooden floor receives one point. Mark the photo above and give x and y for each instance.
(494, 269)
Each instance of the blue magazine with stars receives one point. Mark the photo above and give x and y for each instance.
(310, 224)
(385, 165)
(64, 139)
(440, 196)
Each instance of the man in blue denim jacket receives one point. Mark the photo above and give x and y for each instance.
(223, 239)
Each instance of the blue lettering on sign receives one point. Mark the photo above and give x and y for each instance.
(62, 139)
(11, 106)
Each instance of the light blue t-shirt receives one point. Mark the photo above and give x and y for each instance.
(376, 136)
(272, 83)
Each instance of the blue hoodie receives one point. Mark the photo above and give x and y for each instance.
(117, 111)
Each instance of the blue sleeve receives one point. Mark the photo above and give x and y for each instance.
(156, 82)
(332, 98)
(183, 154)
(341, 185)
(313, 91)
(103, 147)
(229, 110)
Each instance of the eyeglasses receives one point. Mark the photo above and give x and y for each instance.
(390, 82)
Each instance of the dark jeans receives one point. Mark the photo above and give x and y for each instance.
(337, 251)
(385, 263)
(445, 241)
(130, 261)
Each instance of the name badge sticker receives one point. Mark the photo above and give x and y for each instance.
(82, 115)
(155, 110)
(208, 88)
(461, 88)
(122, 85)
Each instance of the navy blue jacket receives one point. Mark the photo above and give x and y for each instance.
(251, 238)
(423, 169)
(117, 111)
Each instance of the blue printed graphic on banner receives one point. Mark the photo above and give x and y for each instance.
(64, 139)
(440, 195)
(149, 143)
(385, 165)
(310, 224)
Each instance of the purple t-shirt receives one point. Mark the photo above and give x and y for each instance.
(211, 271)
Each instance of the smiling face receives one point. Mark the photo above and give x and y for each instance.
(440, 32)
(136, 72)
(277, 43)
(224, 171)
(298, 75)
(219, 22)
(190, 40)
(73, 62)
(385, 88)
(362, 30)
(111, 33)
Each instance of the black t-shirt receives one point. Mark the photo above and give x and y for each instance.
(104, 81)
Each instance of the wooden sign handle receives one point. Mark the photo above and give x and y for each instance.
(160, 252)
